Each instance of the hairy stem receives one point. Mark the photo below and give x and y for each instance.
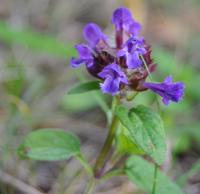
(100, 162)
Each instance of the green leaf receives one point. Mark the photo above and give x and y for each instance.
(125, 144)
(141, 173)
(146, 130)
(85, 87)
(49, 145)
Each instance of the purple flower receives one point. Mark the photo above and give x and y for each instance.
(85, 56)
(96, 39)
(122, 19)
(132, 50)
(168, 90)
(113, 76)
(93, 34)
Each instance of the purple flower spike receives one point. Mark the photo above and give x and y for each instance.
(122, 19)
(132, 50)
(113, 76)
(168, 90)
(85, 56)
(93, 34)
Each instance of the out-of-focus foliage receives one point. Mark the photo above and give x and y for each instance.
(35, 41)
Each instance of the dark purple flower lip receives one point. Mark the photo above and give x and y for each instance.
(132, 50)
(113, 77)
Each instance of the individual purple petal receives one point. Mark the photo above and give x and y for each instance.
(165, 101)
(76, 62)
(114, 71)
(113, 76)
(83, 50)
(122, 52)
(134, 28)
(141, 50)
(133, 61)
(85, 56)
(168, 90)
(168, 80)
(122, 19)
(93, 34)
(132, 50)
(110, 86)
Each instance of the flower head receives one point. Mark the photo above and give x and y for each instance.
(122, 19)
(168, 90)
(132, 50)
(113, 76)
(127, 63)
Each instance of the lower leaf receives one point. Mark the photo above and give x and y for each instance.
(49, 145)
(141, 173)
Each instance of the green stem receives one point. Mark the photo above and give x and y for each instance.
(155, 179)
(99, 165)
(117, 172)
(90, 187)
(85, 164)
(102, 104)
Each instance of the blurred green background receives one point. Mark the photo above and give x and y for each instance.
(36, 43)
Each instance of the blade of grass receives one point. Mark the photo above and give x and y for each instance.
(35, 41)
